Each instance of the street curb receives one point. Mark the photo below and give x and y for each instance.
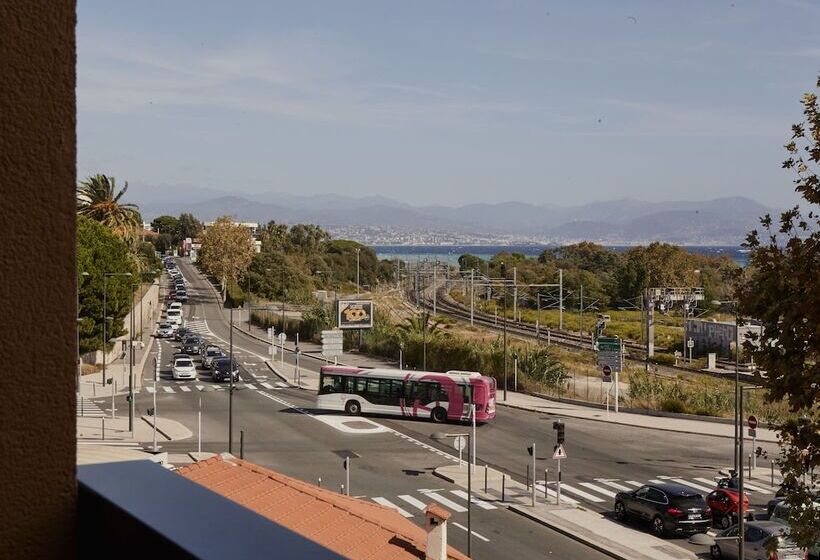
(279, 375)
(591, 544)
(610, 421)
(161, 431)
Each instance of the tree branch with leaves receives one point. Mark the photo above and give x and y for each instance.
(227, 251)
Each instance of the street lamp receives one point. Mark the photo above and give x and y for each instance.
(105, 314)
(738, 420)
(504, 297)
(438, 436)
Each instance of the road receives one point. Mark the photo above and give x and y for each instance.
(282, 432)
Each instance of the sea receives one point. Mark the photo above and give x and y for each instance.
(451, 253)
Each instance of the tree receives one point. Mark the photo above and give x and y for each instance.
(781, 288)
(273, 237)
(227, 250)
(189, 226)
(98, 199)
(167, 225)
(100, 251)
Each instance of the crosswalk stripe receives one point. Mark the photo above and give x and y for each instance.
(754, 488)
(250, 386)
(655, 481)
(388, 503)
(614, 485)
(458, 508)
(692, 484)
(463, 528)
(200, 387)
(598, 489)
(281, 385)
(480, 503)
(581, 493)
(634, 483)
(149, 389)
(712, 482)
(185, 389)
(418, 504)
(168, 389)
(266, 385)
(552, 494)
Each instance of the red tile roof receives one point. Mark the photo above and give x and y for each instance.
(350, 527)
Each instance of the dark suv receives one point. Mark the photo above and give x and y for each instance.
(669, 508)
(222, 370)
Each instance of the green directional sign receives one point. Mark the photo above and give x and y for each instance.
(609, 343)
(610, 354)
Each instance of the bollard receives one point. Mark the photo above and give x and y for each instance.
(485, 478)
(772, 473)
(546, 479)
(503, 486)
(320, 482)
(343, 490)
(750, 466)
(241, 444)
(528, 476)
(103, 428)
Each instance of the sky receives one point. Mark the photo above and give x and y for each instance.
(447, 102)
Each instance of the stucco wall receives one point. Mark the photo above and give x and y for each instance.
(38, 286)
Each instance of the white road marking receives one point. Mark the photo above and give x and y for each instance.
(614, 484)
(463, 528)
(634, 483)
(754, 488)
(692, 485)
(598, 489)
(250, 386)
(480, 503)
(418, 504)
(385, 502)
(200, 387)
(149, 389)
(168, 389)
(553, 494)
(655, 481)
(458, 508)
(266, 385)
(185, 389)
(281, 385)
(585, 495)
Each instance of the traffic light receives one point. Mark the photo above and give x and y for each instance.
(529, 450)
(558, 426)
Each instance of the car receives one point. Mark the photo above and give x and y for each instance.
(724, 505)
(184, 368)
(174, 305)
(181, 333)
(182, 296)
(757, 536)
(780, 514)
(221, 367)
(165, 330)
(179, 355)
(210, 353)
(191, 345)
(669, 508)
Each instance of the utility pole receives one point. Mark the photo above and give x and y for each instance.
(131, 371)
(230, 393)
(560, 299)
(515, 294)
(581, 326)
(504, 296)
(435, 266)
(283, 299)
(472, 295)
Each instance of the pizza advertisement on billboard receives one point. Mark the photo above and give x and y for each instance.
(355, 314)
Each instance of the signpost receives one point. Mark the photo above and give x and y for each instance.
(459, 443)
(691, 345)
(332, 344)
(611, 360)
(752, 421)
(559, 454)
(282, 338)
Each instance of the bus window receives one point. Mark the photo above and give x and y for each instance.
(358, 385)
(427, 392)
(466, 393)
(332, 384)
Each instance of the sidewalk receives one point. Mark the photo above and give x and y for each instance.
(668, 423)
(90, 429)
(590, 528)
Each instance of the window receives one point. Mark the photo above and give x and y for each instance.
(753, 534)
(466, 393)
(332, 384)
(656, 496)
(429, 391)
(642, 493)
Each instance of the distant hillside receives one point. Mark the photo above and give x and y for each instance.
(718, 221)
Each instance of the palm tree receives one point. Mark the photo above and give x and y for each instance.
(98, 199)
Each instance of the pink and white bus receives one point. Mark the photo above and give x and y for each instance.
(440, 397)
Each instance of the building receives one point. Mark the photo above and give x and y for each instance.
(350, 527)
(710, 335)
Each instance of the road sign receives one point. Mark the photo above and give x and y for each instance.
(752, 433)
(270, 333)
(282, 337)
(459, 443)
(607, 371)
(332, 342)
(752, 422)
(690, 343)
(610, 353)
(559, 453)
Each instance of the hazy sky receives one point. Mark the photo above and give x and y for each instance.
(448, 102)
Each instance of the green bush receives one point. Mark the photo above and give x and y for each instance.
(670, 404)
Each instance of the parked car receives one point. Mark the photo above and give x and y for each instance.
(756, 539)
(165, 330)
(184, 368)
(780, 514)
(669, 508)
(210, 353)
(223, 368)
(724, 505)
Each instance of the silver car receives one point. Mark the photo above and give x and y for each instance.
(210, 354)
(758, 535)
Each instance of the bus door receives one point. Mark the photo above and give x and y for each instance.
(466, 392)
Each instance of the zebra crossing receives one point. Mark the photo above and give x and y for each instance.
(409, 505)
(88, 408)
(187, 388)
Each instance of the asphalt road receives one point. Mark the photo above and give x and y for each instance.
(282, 432)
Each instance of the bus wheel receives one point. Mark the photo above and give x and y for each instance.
(439, 415)
(353, 408)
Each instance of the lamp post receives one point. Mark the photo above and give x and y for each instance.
(504, 297)
(438, 436)
(738, 420)
(105, 314)
(79, 361)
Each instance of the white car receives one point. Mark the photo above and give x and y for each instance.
(174, 305)
(165, 330)
(184, 368)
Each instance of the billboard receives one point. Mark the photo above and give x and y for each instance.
(355, 314)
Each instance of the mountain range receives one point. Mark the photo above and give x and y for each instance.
(722, 221)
